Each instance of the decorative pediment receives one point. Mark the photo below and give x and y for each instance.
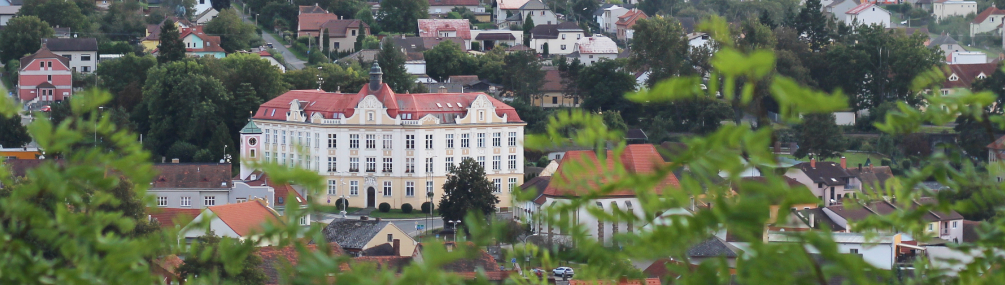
(482, 102)
(370, 102)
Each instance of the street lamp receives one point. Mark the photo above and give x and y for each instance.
(345, 202)
(453, 225)
(526, 260)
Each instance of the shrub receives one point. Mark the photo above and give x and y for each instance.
(406, 208)
(340, 203)
(384, 207)
(426, 206)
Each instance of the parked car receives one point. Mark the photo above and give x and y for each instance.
(270, 45)
(46, 108)
(563, 272)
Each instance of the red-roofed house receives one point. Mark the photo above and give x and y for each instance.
(867, 14)
(168, 216)
(503, 7)
(626, 23)
(377, 146)
(964, 75)
(553, 91)
(989, 20)
(592, 49)
(342, 33)
(198, 43)
(240, 220)
(446, 28)
(581, 173)
(309, 24)
(45, 76)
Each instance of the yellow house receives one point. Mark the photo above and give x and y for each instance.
(552, 92)
(153, 32)
(365, 236)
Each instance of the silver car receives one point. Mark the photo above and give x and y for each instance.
(563, 272)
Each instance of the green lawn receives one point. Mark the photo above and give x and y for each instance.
(854, 158)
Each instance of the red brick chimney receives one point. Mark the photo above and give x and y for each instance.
(813, 162)
(844, 163)
(396, 244)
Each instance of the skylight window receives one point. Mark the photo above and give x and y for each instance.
(459, 105)
(441, 106)
(449, 106)
(273, 112)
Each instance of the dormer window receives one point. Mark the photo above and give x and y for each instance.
(981, 76)
(953, 77)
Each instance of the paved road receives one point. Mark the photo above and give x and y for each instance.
(291, 60)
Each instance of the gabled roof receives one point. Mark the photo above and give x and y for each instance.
(860, 212)
(579, 166)
(552, 80)
(495, 37)
(636, 134)
(596, 45)
(987, 13)
(20, 167)
(340, 28)
(211, 43)
(274, 258)
(533, 5)
(862, 7)
(510, 4)
(463, 79)
(192, 175)
(966, 74)
(45, 85)
(998, 144)
(826, 172)
(367, 55)
(872, 175)
(44, 52)
(167, 216)
(282, 190)
(453, 3)
(353, 234)
(600, 10)
(312, 10)
(820, 219)
(713, 247)
(313, 21)
(391, 263)
(71, 44)
(245, 218)
(546, 31)
(943, 39)
(431, 28)
(536, 184)
(628, 19)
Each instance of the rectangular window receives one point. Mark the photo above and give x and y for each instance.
(450, 164)
(464, 140)
(331, 187)
(300, 138)
(332, 140)
(512, 162)
(284, 159)
(497, 139)
(186, 201)
(853, 251)
(354, 141)
(481, 139)
(162, 201)
(284, 138)
(354, 164)
(275, 140)
(308, 140)
(429, 141)
(388, 165)
(209, 201)
(429, 186)
(410, 189)
(303, 221)
(410, 165)
(331, 164)
(267, 158)
(308, 166)
(388, 141)
(954, 224)
(371, 164)
(371, 141)
(512, 184)
(450, 140)
(242, 200)
(410, 141)
(387, 188)
(481, 161)
(496, 162)
(512, 139)
(390, 238)
(353, 188)
(317, 140)
(267, 136)
(429, 164)
(498, 185)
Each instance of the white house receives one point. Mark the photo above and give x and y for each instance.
(867, 14)
(829, 181)
(503, 9)
(593, 49)
(607, 17)
(202, 5)
(82, 52)
(838, 8)
(968, 57)
(879, 251)
(8, 12)
(240, 221)
(987, 21)
(944, 225)
(946, 8)
(560, 38)
(697, 39)
(272, 60)
(536, 10)
(488, 39)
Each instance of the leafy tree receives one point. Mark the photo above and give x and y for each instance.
(528, 24)
(279, 15)
(491, 66)
(658, 46)
(62, 13)
(366, 16)
(179, 8)
(603, 85)
(465, 13)
(819, 135)
(655, 7)
(12, 133)
(614, 121)
(523, 75)
(171, 47)
(813, 23)
(132, 206)
(392, 63)
(22, 36)
(325, 41)
(401, 16)
(183, 105)
(467, 190)
(123, 21)
(234, 34)
(124, 77)
(448, 58)
(220, 5)
(544, 50)
(348, 7)
(208, 258)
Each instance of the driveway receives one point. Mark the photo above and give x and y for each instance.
(291, 60)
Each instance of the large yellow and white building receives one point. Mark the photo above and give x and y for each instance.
(376, 146)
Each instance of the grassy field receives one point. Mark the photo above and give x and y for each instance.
(854, 158)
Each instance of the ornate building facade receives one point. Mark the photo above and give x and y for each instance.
(376, 146)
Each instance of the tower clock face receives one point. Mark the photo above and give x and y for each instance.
(252, 141)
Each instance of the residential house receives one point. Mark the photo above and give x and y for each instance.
(566, 184)
(945, 8)
(967, 57)
(560, 38)
(440, 8)
(484, 85)
(272, 60)
(687, 23)
(61, 32)
(415, 64)
(199, 44)
(8, 12)
(838, 8)
(82, 52)
(488, 39)
(589, 50)
(275, 257)
(446, 28)
(872, 178)
(879, 251)
(944, 225)
(607, 15)
(626, 23)
(503, 9)
(713, 249)
(990, 20)
(534, 10)
(867, 14)
(205, 16)
(414, 138)
(364, 57)
(921, 4)
(342, 34)
(996, 153)
(241, 221)
(308, 9)
(964, 75)
(479, 265)
(309, 24)
(552, 92)
(698, 39)
(524, 211)
(279, 196)
(44, 76)
(202, 5)
(196, 185)
(828, 181)
(947, 44)
(153, 33)
(356, 236)
(167, 217)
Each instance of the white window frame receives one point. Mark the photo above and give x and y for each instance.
(162, 201)
(332, 140)
(388, 141)
(496, 139)
(465, 140)
(332, 164)
(512, 184)
(387, 189)
(481, 140)
(186, 201)
(496, 162)
(450, 140)
(497, 183)
(332, 184)
(409, 189)
(512, 162)
(512, 138)
(209, 201)
(354, 141)
(354, 188)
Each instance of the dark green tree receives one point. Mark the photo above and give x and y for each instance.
(812, 22)
(467, 190)
(358, 45)
(325, 41)
(123, 21)
(523, 75)
(234, 34)
(206, 258)
(401, 16)
(392, 63)
(820, 136)
(603, 86)
(12, 132)
(448, 58)
(658, 46)
(22, 36)
(220, 5)
(544, 50)
(124, 77)
(614, 121)
(528, 24)
(171, 47)
(183, 104)
(62, 13)
(132, 206)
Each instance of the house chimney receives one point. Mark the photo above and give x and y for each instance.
(844, 163)
(870, 167)
(813, 162)
(175, 160)
(443, 89)
(859, 167)
(397, 247)
(376, 77)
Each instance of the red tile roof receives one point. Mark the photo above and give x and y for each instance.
(967, 73)
(245, 217)
(629, 19)
(281, 189)
(213, 41)
(167, 216)
(453, 3)
(552, 81)
(311, 22)
(511, 4)
(43, 52)
(430, 28)
(987, 13)
(594, 45)
(192, 175)
(859, 8)
(340, 28)
(998, 144)
(274, 257)
(584, 164)
(329, 104)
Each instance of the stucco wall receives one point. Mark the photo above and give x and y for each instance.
(406, 242)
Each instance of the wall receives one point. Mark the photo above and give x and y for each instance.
(198, 196)
(216, 225)
(78, 63)
(555, 45)
(872, 15)
(243, 190)
(953, 8)
(32, 75)
(560, 100)
(349, 41)
(590, 59)
(549, 17)
(879, 255)
(844, 118)
(407, 243)
(989, 24)
(437, 10)
(610, 17)
(590, 222)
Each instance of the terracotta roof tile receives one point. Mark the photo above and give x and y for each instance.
(636, 158)
(273, 258)
(552, 81)
(167, 216)
(970, 231)
(629, 19)
(966, 74)
(44, 52)
(340, 28)
(860, 8)
(511, 4)
(987, 13)
(192, 175)
(244, 218)
(431, 28)
(312, 22)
